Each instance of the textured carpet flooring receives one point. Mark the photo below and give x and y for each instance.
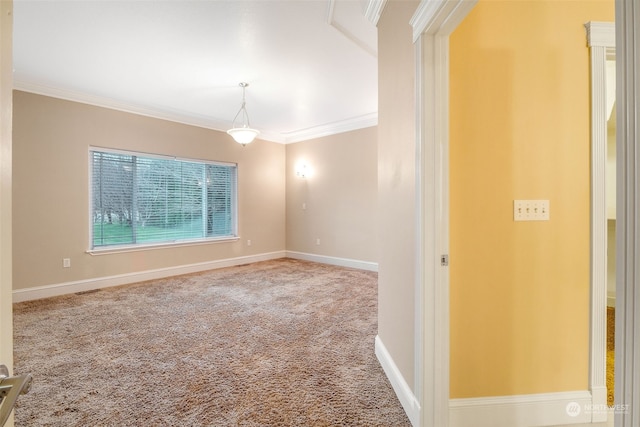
(276, 343)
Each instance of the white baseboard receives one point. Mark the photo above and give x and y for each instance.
(343, 262)
(38, 292)
(405, 395)
(599, 400)
(531, 410)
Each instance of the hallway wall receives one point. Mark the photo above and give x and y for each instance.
(520, 130)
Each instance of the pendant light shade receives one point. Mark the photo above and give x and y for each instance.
(243, 134)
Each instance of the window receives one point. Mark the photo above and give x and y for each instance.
(142, 199)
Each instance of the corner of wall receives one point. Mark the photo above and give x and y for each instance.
(404, 393)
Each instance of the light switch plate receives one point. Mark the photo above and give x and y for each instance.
(531, 210)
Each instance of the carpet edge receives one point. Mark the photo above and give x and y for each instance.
(46, 291)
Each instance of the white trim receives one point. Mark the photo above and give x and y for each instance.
(439, 17)
(523, 410)
(6, 186)
(433, 22)
(354, 123)
(122, 249)
(348, 34)
(406, 397)
(374, 10)
(600, 38)
(419, 301)
(47, 291)
(44, 89)
(342, 262)
(433, 217)
(627, 375)
(159, 156)
(601, 34)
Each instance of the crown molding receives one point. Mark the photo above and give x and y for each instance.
(601, 34)
(348, 34)
(439, 16)
(113, 104)
(355, 123)
(374, 9)
(333, 128)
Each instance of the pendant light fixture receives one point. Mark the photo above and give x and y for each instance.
(243, 134)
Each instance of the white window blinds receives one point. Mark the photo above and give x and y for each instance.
(139, 199)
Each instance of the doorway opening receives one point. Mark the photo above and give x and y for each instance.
(610, 185)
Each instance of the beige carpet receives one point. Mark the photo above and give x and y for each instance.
(277, 343)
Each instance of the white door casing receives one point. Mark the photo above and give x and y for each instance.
(627, 374)
(601, 42)
(6, 87)
(433, 23)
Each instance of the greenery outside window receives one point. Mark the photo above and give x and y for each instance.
(141, 199)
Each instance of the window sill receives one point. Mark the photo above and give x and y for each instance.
(137, 248)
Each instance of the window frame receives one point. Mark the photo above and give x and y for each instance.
(120, 248)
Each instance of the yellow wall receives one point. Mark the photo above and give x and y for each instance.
(520, 130)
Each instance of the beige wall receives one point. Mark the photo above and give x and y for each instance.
(396, 185)
(520, 130)
(337, 201)
(50, 200)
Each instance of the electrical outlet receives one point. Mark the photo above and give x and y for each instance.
(318, 241)
(531, 210)
(248, 242)
(66, 262)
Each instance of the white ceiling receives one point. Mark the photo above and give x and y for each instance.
(311, 64)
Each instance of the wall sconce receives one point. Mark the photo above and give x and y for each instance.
(302, 171)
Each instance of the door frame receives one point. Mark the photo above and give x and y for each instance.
(6, 106)
(601, 42)
(627, 375)
(433, 23)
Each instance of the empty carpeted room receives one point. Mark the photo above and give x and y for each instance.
(305, 190)
(301, 212)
